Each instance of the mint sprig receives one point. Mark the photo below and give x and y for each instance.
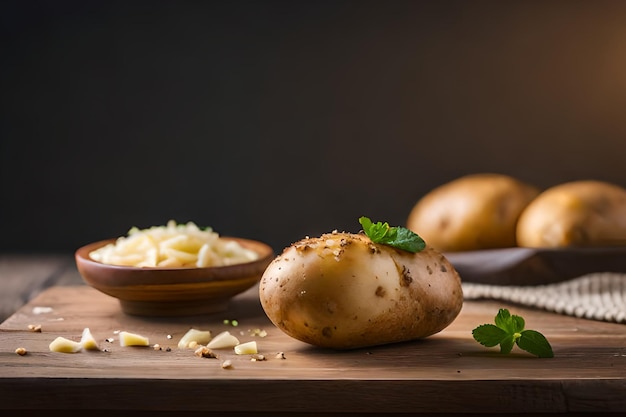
(397, 237)
(508, 331)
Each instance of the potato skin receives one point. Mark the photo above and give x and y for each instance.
(342, 291)
(578, 213)
(474, 212)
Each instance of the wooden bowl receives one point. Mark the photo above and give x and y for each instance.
(155, 291)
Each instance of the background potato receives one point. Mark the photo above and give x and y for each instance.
(343, 291)
(577, 213)
(478, 211)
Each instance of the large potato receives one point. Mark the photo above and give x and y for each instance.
(478, 211)
(577, 213)
(342, 291)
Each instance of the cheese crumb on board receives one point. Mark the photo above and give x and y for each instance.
(63, 345)
(200, 337)
(247, 348)
(224, 340)
(205, 352)
(41, 310)
(133, 339)
(87, 341)
(35, 328)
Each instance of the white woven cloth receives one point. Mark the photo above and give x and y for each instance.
(598, 296)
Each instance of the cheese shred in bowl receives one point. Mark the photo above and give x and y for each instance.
(173, 246)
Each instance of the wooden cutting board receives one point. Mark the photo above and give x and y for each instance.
(446, 373)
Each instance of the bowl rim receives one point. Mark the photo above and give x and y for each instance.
(82, 255)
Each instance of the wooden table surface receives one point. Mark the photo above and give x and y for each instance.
(23, 276)
(445, 374)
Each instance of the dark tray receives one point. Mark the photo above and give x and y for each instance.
(533, 266)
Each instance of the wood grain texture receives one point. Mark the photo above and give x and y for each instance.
(446, 373)
(24, 276)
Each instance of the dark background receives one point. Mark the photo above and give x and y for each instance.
(275, 120)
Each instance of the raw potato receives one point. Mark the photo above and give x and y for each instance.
(342, 291)
(577, 213)
(474, 212)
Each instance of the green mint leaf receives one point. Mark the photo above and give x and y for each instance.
(489, 335)
(508, 331)
(534, 342)
(506, 346)
(408, 240)
(510, 323)
(375, 231)
(366, 223)
(397, 237)
(503, 318)
(517, 323)
(390, 235)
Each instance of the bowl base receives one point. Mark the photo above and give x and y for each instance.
(174, 308)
